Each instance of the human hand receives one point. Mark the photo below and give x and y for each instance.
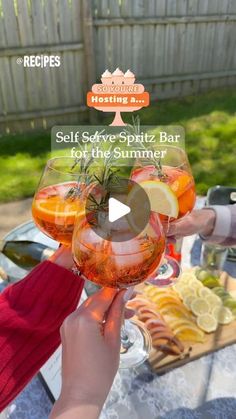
(90, 354)
(197, 222)
(63, 257)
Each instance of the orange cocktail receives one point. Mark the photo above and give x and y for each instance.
(117, 264)
(54, 209)
(179, 180)
(57, 198)
(174, 173)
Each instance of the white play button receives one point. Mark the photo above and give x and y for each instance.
(116, 209)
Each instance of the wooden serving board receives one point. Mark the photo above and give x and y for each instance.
(224, 336)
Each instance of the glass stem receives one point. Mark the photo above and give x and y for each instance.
(162, 269)
(126, 343)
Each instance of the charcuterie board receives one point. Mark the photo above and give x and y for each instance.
(223, 336)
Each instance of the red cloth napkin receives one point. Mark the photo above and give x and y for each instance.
(31, 314)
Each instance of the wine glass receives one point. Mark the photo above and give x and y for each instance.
(174, 170)
(113, 255)
(57, 199)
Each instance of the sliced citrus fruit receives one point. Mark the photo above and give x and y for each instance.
(161, 301)
(219, 291)
(194, 283)
(162, 198)
(188, 300)
(207, 322)
(200, 306)
(202, 274)
(204, 292)
(223, 315)
(181, 324)
(186, 277)
(175, 310)
(189, 333)
(230, 303)
(187, 290)
(211, 282)
(56, 209)
(213, 301)
(233, 294)
(160, 293)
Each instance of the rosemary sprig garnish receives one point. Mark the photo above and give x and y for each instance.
(84, 164)
(135, 129)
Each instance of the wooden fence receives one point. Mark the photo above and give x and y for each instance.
(175, 47)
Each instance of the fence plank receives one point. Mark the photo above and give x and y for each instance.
(10, 23)
(126, 48)
(192, 7)
(126, 8)
(18, 82)
(171, 8)
(160, 8)
(51, 21)
(8, 93)
(181, 7)
(77, 20)
(114, 8)
(25, 22)
(159, 56)
(65, 21)
(140, 41)
(232, 6)
(38, 23)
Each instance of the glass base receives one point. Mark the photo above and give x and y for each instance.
(167, 274)
(136, 344)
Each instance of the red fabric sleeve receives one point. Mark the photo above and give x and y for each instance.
(31, 313)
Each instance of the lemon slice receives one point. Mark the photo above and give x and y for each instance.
(204, 292)
(187, 277)
(207, 322)
(213, 300)
(223, 315)
(186, 290)
(162, 198)
(194, 283)
(200, 306)
(188, 300)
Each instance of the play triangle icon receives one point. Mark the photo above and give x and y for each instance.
(117, 209)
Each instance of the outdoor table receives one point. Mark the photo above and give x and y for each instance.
(203, 389)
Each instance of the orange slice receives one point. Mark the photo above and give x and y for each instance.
(190, 333)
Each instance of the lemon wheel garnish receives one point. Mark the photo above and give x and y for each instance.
(223, 315)
(207, 322)
(200, 306)
(162, 199)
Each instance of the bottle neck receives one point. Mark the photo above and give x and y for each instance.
(46, 254)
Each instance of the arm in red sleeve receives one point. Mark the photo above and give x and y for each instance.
(31, 314)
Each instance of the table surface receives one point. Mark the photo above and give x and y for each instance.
(204, 388)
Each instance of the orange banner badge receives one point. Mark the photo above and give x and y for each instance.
(118, 93)
(134, 100)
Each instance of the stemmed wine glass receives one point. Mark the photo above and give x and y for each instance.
(57, 198)
(113, 255)
(174, 170)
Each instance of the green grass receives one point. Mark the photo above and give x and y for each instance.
(209, 120)
(22, 159)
